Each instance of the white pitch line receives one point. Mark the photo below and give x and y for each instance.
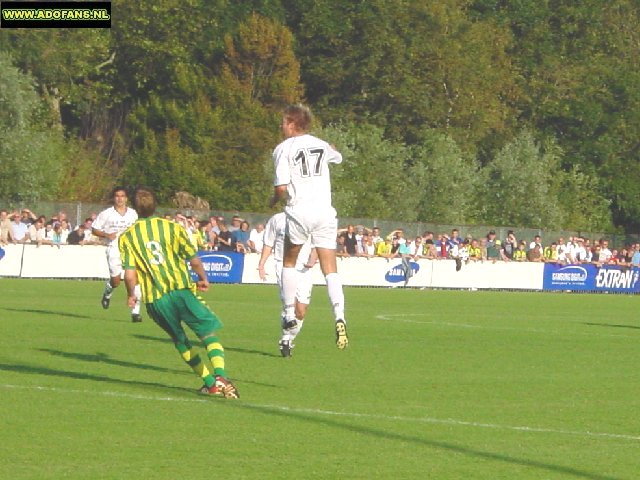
(399, 317)
(314, 411)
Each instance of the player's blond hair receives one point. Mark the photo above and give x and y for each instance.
(300, 116)
(144, 201)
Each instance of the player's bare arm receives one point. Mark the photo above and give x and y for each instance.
(279, 193)
(101, 234)
(202, 282)
(266, 251)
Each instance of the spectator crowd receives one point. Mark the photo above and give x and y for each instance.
(352, 241)
(364, 242)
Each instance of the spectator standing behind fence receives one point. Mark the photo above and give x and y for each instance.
(535, 254)
(236, 221)
(475, 252)
(536, 241)
(350, 240)
(375, 236)
(579, 252)
(28, 217)
(240, 238)
(19, 230)
(493, 255)
(455, 238)
(635, 257)
(520, 253)
(224, 237)
(404, 250)
(429, 247)
(77, 236)
(89, 237)
(341, 249)
(5, 227)
(368, 247)
(442, 246)
(605, 253)
(510, 244)
(256, 238)
(213, 221)
(550, 253)
(36, 233)
(383, 248)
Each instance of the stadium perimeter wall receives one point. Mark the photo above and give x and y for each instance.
(70, 261)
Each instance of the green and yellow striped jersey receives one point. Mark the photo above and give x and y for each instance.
(157, 249)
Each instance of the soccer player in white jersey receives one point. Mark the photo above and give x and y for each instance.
(109, 224)
(302, 176)
(273, 244)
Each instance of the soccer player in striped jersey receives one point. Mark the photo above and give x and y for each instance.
(154, 254)
(109, 224)
(302, 176)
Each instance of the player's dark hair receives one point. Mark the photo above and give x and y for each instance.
(144, 201)
(118, 188)
(300, 115)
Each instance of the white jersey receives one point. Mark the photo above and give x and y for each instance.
(110, 221)
(302, 163)
(273, 237)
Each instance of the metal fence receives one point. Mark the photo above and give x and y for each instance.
(78, 211)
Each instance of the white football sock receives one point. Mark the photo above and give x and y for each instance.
(289, 285)
(138, 294)
(336, 295)
(293, 332)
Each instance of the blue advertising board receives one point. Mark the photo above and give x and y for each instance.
(587, 277)
(396, 273)
(222, 267)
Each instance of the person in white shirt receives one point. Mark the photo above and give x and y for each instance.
(273, 244)
(109, 224)
(302, 175)
(579, 252)
(605, 253)
(256, 238)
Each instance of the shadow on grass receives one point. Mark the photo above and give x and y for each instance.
(451, 447)
(611, 325)
(226, 348)
(36, 370)
(104, 358)
(47, 312)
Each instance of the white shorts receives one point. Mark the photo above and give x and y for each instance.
(304, 283)
(114, 261)
(321, 227)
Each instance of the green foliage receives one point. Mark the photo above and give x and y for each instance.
(517, 185)
(86, 176)
(30, 154)
(371, 181)
(187, 94)
(586, 209)
(445, 180)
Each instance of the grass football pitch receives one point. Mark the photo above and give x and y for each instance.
(434, 385)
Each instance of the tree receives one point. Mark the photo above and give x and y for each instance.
(31, 154)
(518, 185)
(445, 180)
(371, 181)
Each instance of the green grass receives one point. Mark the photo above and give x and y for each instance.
(435, 384)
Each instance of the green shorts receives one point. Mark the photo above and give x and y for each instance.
(183, 306)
